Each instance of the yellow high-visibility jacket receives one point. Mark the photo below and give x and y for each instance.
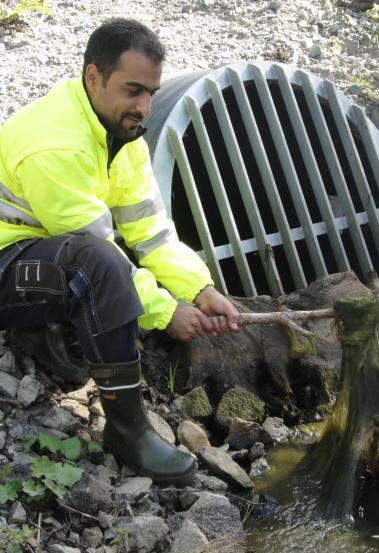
(54, 178)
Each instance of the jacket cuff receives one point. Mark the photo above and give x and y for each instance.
(191, 293)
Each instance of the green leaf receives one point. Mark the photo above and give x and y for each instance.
(50, 443)
(33, 488)
(44, 467)
(71, 448)
(9, 491)
(69, 475)
(57, 488)
(94, 447)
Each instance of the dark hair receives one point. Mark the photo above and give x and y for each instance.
(114, 37)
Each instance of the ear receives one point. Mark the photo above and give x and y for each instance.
(92, 77)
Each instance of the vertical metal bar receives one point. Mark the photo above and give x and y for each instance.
(336, 173)
(220, 195)
(289, 170)
(365, 129)
(245, 188)
(180, 155)
(267, 178)
(312, 168)
(354, 161)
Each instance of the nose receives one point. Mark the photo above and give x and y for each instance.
(144, 103)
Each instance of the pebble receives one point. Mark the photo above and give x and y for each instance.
(195, 35)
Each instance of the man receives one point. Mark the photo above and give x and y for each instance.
(68, 164)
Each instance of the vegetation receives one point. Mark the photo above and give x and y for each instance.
(54, 472)
(9, 17)
(13, 540)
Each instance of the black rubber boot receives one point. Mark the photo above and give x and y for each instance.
(128, 433)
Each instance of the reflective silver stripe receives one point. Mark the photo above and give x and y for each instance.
(6, 193)
(106, 388)
(101, 227)
(134, 270)
(8, 212)
(131, 213)
(165, 236)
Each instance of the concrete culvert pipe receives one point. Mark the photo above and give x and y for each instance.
(269, 173)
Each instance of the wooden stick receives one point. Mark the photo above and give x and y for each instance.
(286, 318)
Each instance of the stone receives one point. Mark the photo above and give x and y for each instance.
(96, 428)
(57, 417)
(221, 464)
(9, 384)
(3, 437)
(315, 51)
(256, 451)
(187, 499)
(215, 515)
(134, 487)
(97, 409)
(17, 514)
(75, 408)
(29, 390)
(196, 404)
(210, 483)
(188, 539)
(278, 431)
(258, 467)
(90, 495)
(161, 427)
(92, 536)
(192, 436)
(243, 434)
(8, 362)
(57, 548)
(239, 402)
(145, 532)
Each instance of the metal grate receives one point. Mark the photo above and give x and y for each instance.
(270, 174)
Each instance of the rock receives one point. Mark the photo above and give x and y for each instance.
(215, 515)
(57, 417)
(239, 402)
(3, 438)
(192, 436)
(189, 539)
(75, 408)
(29, 390)
(57, 548)
(195, 404)
(221, 464)
(315, 51)
(9, 384)
(256, 451)
(258, 467)
(243, 434)
(17, 514)
(187, 498)
(134, 487)
(96, 428)
(210, 483)
(278, 431)
(90, 495)
(145, 532)
(161, 427)
(97, 409)
(8, 362)
(93, 537)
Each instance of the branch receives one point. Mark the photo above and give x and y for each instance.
(286, 318)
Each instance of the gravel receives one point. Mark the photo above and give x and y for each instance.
(334, 43)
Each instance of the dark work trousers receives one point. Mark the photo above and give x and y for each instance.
(77, 278)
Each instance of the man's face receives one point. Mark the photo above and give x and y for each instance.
(125, 99)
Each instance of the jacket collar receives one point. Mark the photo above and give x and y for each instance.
(102, 136)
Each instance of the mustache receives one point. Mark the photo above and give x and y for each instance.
(134, 115)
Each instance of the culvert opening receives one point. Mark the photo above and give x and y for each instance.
(273, 178)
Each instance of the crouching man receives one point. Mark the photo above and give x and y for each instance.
(71, 164)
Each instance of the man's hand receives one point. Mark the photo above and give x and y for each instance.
(188, 323)
(213, 304)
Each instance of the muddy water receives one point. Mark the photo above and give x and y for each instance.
(298, 526)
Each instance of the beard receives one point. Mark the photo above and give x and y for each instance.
(119, 130)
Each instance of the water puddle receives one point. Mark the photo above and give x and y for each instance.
(298, 526)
